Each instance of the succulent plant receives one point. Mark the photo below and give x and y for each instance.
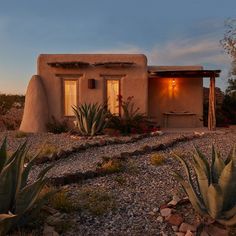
(91, 119)
(18, 199)
(214, 194)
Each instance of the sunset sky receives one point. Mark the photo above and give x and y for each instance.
(183, 32)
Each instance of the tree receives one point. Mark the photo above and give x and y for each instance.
(229, 45)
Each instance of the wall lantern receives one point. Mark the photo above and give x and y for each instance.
(91, 83)
(173, 83)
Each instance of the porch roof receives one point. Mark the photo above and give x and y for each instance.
(184, 73)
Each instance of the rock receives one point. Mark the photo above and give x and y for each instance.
(174, 219)
(189, 233)
(175, 228)
(179, 234)
(184, 227)
(155, 209)
(165, 212)
(215, 230)
(49, 231)
(54, 220)
(175, 200)
(160, 219)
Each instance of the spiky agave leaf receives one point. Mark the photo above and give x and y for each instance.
(193, 197)
(202, 181)
(215, 200)
(6, 220)
(202, 161)
(3, 154)
(217, 165)
(231, 156)
(228, 185)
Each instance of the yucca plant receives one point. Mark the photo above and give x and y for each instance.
(214, 194)
(91, 119)
(18, 199)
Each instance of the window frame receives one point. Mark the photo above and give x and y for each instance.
(63, 95)
(106, 93)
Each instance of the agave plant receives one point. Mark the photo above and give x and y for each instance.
(214, 194)
(18, 199)
(91, 119)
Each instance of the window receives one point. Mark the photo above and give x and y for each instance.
(70, 96)
(113, 91)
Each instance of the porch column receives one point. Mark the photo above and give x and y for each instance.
(212, 105)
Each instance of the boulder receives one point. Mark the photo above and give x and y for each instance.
(35, 115)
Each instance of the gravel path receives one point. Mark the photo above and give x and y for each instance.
(87, 160)
(141, 192)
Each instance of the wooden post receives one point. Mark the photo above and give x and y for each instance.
(212, 105)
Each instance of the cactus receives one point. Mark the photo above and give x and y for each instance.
(18, 200)
(91, 119)
(214, 195)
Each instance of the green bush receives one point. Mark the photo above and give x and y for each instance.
(19, 201)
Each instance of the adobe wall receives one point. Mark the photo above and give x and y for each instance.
(186, 96)
(133, 79)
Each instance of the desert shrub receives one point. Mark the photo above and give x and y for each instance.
(57, 127)
(7, 101)
(157, 159)
(91, 119)
(214, 195)
(21, 134)
(95, 202)
(110, 165)
(131, 120)
(48, 149)
(19, 201)
(61, 202)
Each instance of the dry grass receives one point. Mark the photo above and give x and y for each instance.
(157, 159)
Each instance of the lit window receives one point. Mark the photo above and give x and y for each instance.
(113, 91)
(70, 96)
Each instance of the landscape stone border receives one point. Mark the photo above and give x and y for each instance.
(81, 176)
(61, 154)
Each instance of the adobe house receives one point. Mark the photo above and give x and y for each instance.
(170, 95)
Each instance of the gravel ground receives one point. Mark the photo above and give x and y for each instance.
(87, 160)
(143, 188)
(142, 192)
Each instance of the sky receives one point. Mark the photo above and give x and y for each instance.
(168, 32)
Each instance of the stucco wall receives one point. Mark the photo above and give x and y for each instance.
(185, 96)
(133, 79)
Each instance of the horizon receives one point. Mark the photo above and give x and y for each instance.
(187, 33)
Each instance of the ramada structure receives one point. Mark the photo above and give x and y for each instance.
(170, 95)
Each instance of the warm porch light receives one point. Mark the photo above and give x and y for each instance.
(173, 83)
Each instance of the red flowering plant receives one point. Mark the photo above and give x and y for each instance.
(132, 120)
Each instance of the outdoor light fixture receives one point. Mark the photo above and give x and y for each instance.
(91, 83)
(173, 83)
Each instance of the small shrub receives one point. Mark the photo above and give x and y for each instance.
(120, 180)
(57, 127)
(48, 149)
(132, 121)
(61, 202)
(157, 159)
(21, 134)
(110, 166)
(96, 202)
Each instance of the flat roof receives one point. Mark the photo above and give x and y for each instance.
(185, 73)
